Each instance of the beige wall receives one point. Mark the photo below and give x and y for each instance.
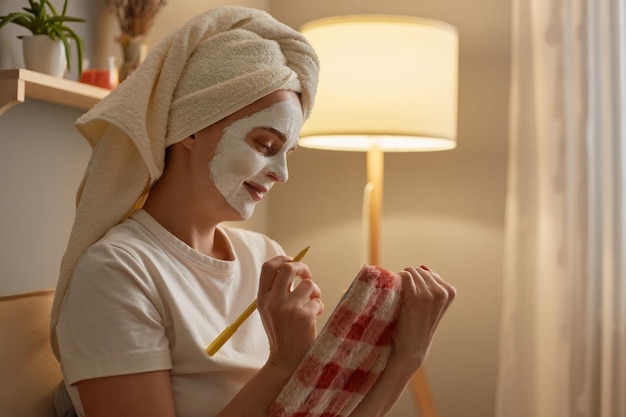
(41, 163)
(445, 209)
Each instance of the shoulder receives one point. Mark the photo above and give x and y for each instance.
(126, 249)
(133, 236)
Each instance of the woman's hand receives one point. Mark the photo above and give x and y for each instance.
(289, 316)
(426, 297)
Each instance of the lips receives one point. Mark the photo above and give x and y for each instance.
(255, 190)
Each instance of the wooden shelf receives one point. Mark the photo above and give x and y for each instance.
(16, 85)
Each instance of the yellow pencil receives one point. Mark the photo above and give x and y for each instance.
(230, 330)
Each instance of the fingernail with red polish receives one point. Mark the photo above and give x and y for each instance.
(425, 267)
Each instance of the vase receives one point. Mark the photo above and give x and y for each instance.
(134, 51)
(44, 55)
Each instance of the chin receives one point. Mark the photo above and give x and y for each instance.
(243, 213)
(238, 208)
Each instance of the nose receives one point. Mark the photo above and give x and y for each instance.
(277, 170)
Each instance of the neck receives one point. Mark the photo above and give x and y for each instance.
(171, 208)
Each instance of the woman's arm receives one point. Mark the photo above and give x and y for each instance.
(426, 297)
(133, 395)
(290, 321)
(150, 394)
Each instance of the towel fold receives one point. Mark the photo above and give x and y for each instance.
(216, 64)
(350, 352)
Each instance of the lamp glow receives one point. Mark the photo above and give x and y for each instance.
(385, 81)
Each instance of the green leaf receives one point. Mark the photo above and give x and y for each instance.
(56, 19)
(41, 18)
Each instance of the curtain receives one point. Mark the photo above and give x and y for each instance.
(563, 329)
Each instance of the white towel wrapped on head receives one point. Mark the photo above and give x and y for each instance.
(216, 64)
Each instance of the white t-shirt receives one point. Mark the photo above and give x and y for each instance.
(142, 300)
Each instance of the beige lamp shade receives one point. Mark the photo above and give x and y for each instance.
(385, 81)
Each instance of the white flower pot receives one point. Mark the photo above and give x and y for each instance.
(44, 55)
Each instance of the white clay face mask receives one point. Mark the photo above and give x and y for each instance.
(239, 170)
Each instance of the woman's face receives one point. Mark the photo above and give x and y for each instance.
(251, 154)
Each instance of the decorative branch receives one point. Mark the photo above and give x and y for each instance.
(135, 16)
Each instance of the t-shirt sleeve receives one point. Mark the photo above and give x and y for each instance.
(111, 321)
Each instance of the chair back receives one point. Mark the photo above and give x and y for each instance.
(29, 372)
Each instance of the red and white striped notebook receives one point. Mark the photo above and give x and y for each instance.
(349, 353)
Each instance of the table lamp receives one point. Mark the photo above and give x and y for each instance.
(386, 84)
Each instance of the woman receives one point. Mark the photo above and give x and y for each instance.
(207, 122)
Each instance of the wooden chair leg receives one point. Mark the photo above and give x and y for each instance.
(422, 396)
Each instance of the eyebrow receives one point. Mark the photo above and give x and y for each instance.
(277, 132)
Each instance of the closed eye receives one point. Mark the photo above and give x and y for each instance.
(267, 141)
(265, 147)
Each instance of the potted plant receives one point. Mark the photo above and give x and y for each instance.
(43, 21)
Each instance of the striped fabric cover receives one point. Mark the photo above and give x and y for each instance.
(350, 352)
